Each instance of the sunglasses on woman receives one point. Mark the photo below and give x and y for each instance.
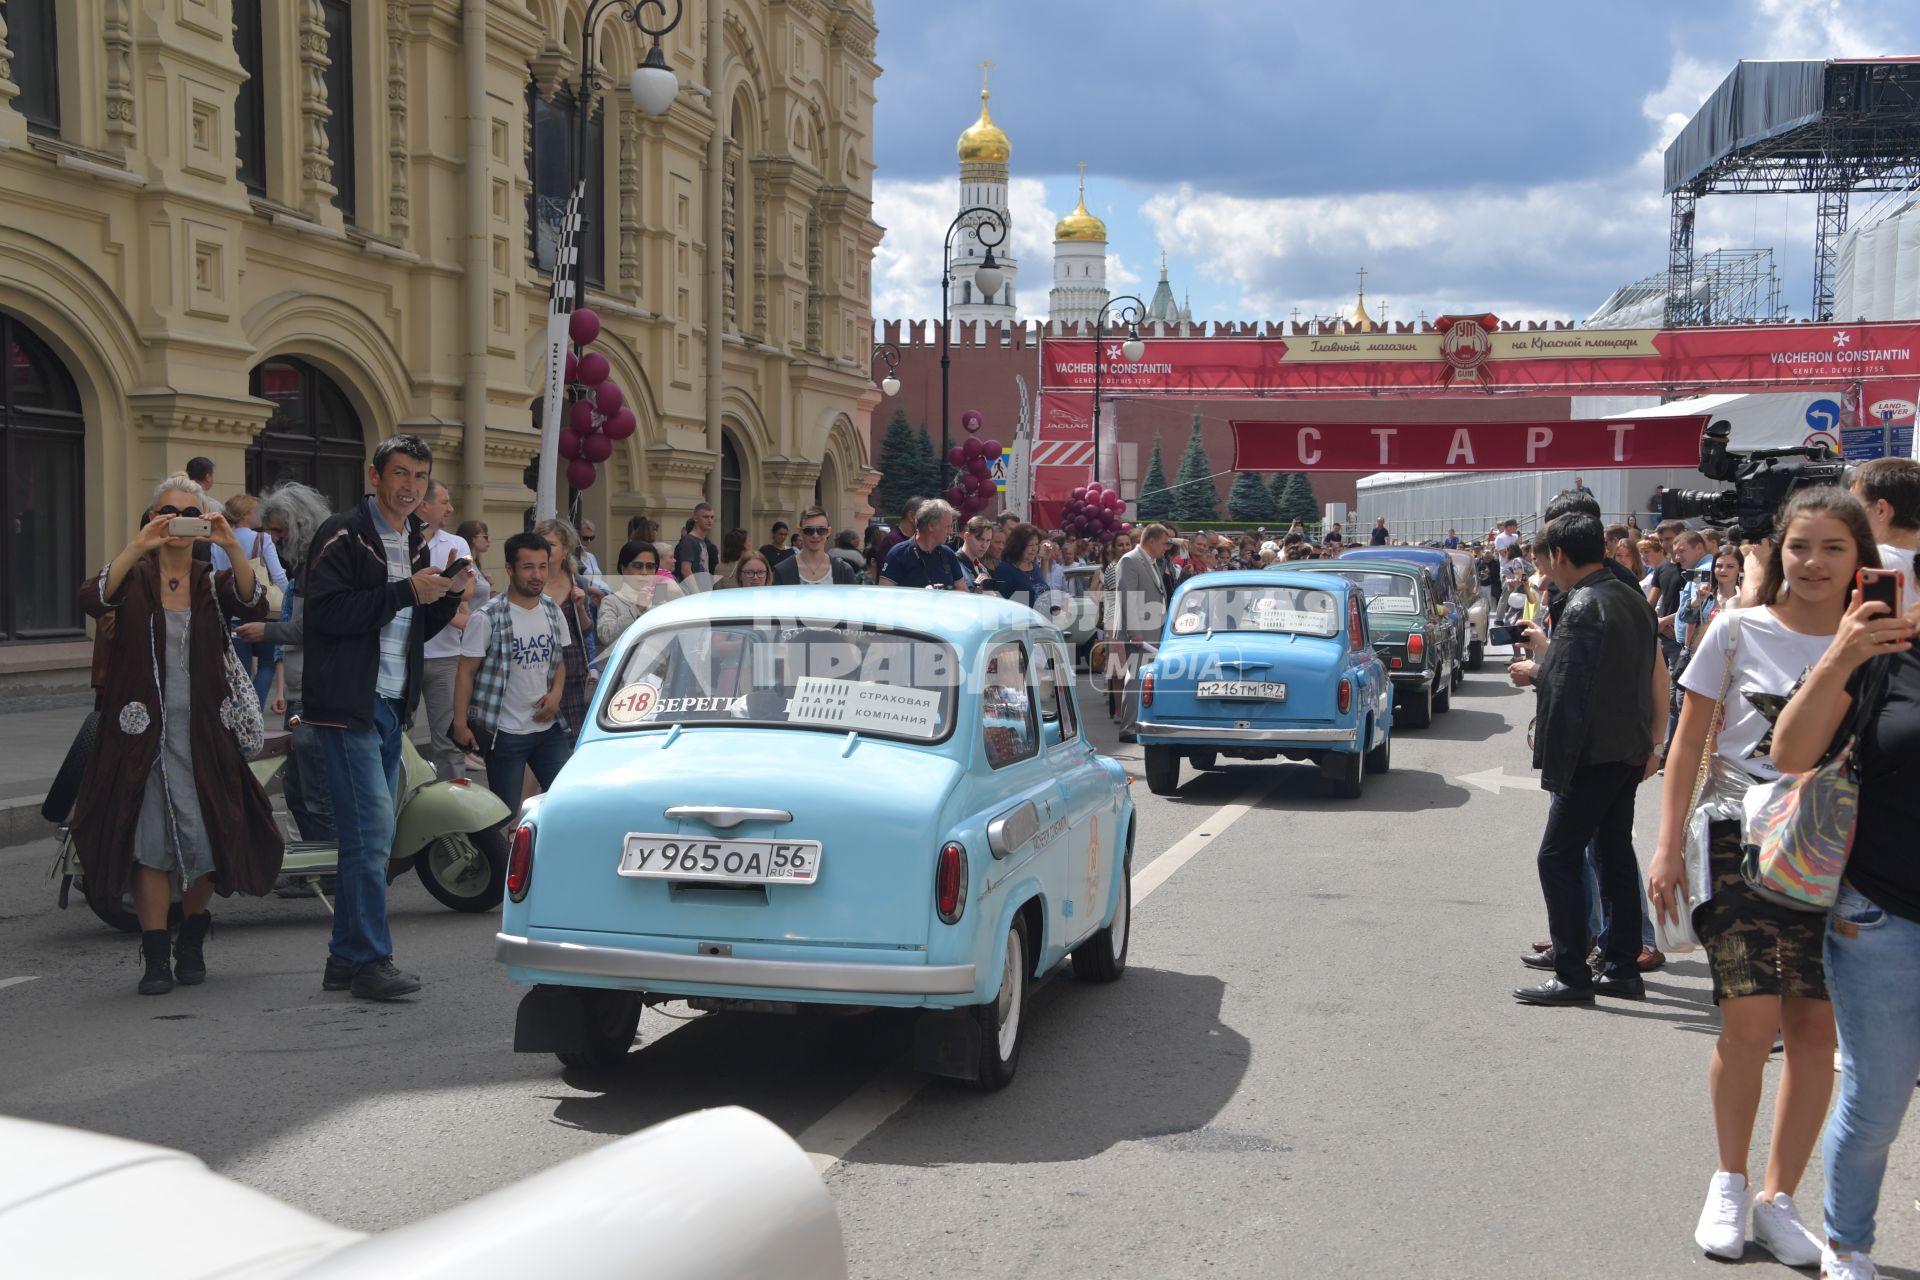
(190, 513)
(647, 566)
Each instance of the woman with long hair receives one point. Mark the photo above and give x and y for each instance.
(1768, 976)
(751, 570)
(170, 803)
(1871, 948)
(1017, 576)
(1626, 552)
(291, 514)
(479, 541)
(565, 590)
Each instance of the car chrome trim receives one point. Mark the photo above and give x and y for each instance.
(725, 816)
(1008, 831)
(1227, 733)
(587, 961)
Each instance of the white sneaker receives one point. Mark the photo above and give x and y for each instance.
(1723, 1219)
(1846, 1266)
(1777, 1229)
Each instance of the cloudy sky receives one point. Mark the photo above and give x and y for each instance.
(1475, 155)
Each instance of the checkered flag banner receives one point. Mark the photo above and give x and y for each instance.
(560, 305)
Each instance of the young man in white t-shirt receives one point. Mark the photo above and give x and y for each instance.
(506, 701)
(1890, 488)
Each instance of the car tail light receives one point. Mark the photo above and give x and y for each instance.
(1146, 689)
(1416, 646)
(520, 862)
(1396, 663)
(1346, 698)
(950, 882)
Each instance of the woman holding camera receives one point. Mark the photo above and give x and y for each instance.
(1872, 944)
(1765, 959)
(168, 799)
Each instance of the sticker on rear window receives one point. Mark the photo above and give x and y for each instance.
(861, 704)
(634, 702)
(1186, 624)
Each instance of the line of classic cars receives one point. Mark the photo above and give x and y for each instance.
(797, 799)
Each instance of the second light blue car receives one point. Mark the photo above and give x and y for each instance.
(1256, 664)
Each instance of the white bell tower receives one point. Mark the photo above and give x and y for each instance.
(1079, 264)
(984, 151)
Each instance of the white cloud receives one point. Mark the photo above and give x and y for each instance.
(906, 267)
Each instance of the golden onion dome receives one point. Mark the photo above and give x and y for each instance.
(1080, 225)
(984, 141)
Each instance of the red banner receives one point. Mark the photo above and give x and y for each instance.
(1557, 361)
(1578, 444)
(1062, 457)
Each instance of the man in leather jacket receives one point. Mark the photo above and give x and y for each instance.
(1593, 744)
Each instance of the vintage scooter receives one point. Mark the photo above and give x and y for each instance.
(450, 833)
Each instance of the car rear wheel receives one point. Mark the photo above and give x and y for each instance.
(1342, 771)
(1443, 700)
(1163, 770)
(1003, 1019)
(1204, 759)
(1380, 759)
(612, 1018)
(1416, 709)
(1476, 655)
(1103, 957)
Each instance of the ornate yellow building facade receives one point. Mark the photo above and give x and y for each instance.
(272, 232)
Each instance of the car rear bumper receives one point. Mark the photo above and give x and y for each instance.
(1415, 678)
(1266, 737)
(668, 967)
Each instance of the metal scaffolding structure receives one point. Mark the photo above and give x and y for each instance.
(1723, 286)
(1818, 128)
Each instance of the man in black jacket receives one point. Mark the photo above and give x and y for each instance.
(373, 598)
(1593, 744)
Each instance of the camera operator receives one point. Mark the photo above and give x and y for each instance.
(1889, 488)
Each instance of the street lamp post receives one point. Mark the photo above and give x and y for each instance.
(889, 385)
(1132, 349)
(653, 87)
(987, 275)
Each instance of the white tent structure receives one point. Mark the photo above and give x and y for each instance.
(1877, 269)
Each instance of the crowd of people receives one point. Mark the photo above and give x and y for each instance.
(1729, 667)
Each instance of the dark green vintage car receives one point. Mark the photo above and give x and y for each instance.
(1407, 619)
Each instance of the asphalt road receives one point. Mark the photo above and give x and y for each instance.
(1312, 1067)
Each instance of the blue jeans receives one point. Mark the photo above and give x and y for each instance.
(1597, 921)
(267, 656)
(510, 754)
(1873, 975)
(304, 782)
(363, 774)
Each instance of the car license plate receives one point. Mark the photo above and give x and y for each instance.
(1271, 690)
(658, 857)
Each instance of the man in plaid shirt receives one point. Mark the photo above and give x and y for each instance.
(506, 697)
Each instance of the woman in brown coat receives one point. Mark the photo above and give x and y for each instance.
(167, 798)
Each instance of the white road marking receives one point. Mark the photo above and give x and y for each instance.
(828, 1139)
(14, 982)
(1496, 779)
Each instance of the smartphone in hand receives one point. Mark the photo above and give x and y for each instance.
(189, 527)
(455, 567)
(1888, 586)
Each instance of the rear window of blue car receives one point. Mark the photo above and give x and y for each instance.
(1276, 609)
(876, 681)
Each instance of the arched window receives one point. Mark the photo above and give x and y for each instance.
(314, 435)
(730, 486)
(42, 467)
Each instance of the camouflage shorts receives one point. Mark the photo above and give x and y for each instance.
(1755, 947)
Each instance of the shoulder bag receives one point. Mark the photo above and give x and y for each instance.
(1717, 789)
(1799, 830)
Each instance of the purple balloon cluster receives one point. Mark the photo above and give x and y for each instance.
(972, 491)
(1094, 512)
(598, 414)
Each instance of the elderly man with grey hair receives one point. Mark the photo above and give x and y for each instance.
(925, 560)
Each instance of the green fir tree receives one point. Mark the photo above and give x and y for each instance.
(1300, 503)
(1195, 500)
(932, 470)
(1155, 502)
(900, 465)
(1249, 500)
(1277, 490)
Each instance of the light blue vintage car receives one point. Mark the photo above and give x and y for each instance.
(848, 796)
(1256, 664)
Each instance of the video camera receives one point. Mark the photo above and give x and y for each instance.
(1762, 479)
